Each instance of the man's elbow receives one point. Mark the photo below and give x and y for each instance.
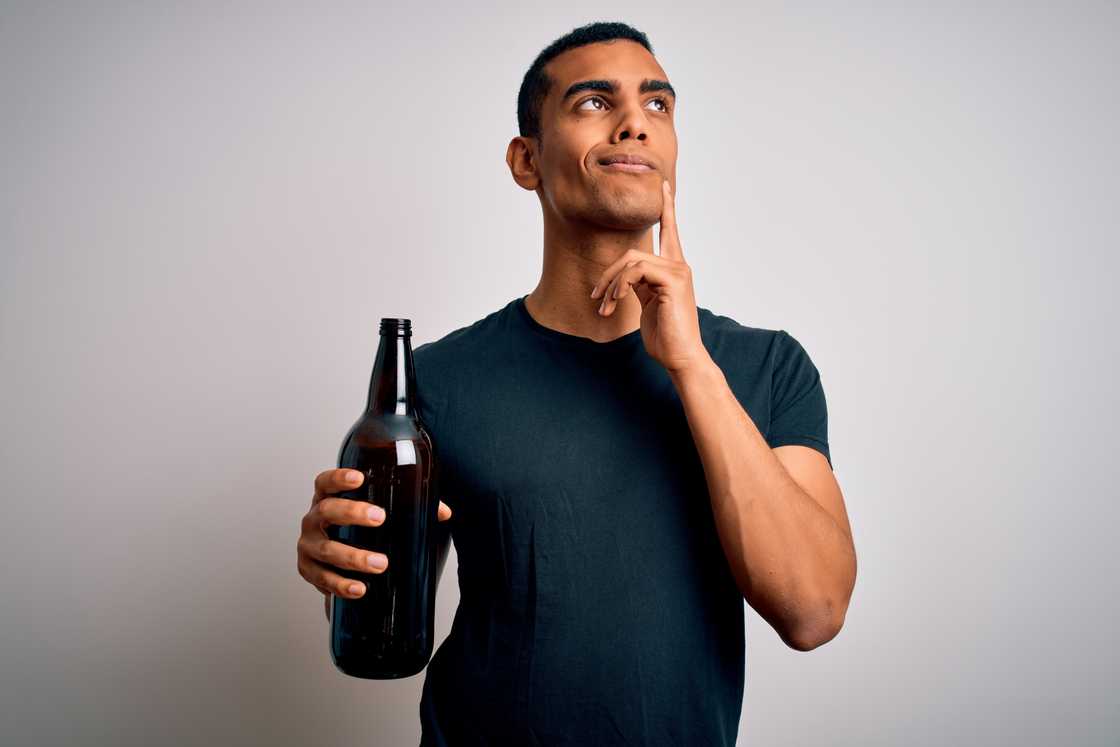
(802, 641)
(807, 637)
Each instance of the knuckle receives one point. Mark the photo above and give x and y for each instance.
(315, 514)
(307, 523)
(350, 512)
(307, 547)
(359, 512)
(357, 560)
(329, 510)
(311, 575)
(321, 577)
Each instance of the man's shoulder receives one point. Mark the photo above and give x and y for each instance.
(719, 331)
(739, 347)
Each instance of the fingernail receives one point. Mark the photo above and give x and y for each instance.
(376, 513)
(593, 291)
(353, 476)
(377, 561)
(602, 306)
(355, 589)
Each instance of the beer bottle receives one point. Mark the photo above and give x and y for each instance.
(388, 632)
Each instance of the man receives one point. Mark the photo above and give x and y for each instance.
(614, 503)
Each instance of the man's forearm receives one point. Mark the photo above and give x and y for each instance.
(791, 559)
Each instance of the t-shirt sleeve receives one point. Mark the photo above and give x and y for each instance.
(799, 414)
(428, 399)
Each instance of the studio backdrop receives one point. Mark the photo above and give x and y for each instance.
(207, 208)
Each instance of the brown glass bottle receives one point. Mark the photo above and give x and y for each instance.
(388, 632)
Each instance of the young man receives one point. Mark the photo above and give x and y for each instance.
(625, 467)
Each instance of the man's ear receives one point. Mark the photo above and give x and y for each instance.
(521, 157)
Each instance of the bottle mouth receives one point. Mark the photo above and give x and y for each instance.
(396, 326)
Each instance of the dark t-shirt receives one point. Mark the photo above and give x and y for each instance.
(596, 604)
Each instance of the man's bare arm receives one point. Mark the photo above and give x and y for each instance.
(792, 557)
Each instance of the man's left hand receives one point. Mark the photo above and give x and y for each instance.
(663, 284)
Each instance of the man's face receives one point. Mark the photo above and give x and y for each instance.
(580, 129)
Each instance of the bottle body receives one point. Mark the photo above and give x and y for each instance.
(389, 631)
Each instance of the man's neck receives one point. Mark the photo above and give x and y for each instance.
(562, 299)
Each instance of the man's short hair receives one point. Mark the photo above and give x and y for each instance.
(536, 83)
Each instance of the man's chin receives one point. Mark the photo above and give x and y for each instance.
(627, 220)
(624, 207)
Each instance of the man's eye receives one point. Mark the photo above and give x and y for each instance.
(664, 103)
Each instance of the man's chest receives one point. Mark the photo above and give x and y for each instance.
(525, 435)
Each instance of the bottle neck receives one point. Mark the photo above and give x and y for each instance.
(391, 386)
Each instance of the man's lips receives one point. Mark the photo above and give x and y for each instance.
(637, 168)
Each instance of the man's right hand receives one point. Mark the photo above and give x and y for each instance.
(315, 551)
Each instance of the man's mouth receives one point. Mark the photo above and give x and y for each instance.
(637, 168)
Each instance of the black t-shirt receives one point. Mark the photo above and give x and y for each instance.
(596, 604)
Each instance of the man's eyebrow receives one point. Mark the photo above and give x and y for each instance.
(611, 86)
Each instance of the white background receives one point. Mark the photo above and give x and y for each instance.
(206, 210)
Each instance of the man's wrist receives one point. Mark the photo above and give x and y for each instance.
(703, 372)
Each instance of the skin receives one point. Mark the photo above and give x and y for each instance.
(315, 550)
(779, 512)
(592, 216)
